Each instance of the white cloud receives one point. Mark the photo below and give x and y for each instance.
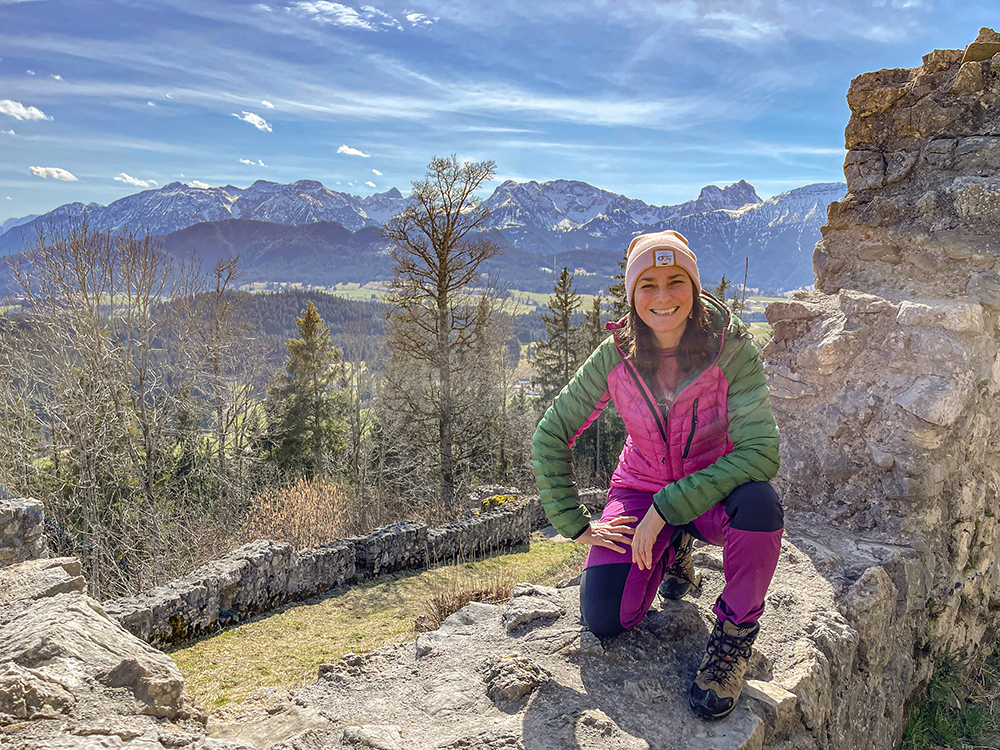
(370, 183)
(246, 161)
(54, 173)
(153, 182)
(129, 180)
(267, 104)
(57, 77)
(169, 96)
(7, 132)
(377, 172)
(150, 104)
(19, 112)
(256, 120)
(199, 184)
(419, 19)
(9, 198)
(259, 161)
(368, 18)
(30, 72)
(263, 8)
(352, 151)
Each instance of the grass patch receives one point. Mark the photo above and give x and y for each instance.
(958, 712)
(286, 648)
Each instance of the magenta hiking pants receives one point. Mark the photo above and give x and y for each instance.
(615, 594)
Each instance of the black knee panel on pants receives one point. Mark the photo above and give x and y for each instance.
(754, 506)
(601, 589)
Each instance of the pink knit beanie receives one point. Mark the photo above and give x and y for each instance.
(666, 248)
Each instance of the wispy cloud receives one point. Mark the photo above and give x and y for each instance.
(263, 8)
(261, 163)
(19, 112)
(57, 77)
(256, 120)
(370, 183)
(53, 173)
(267, 104)
(352, 151)
(199, 184)
(150, 104)
(246, 161)
(251, 162)
(169, 96)
(130, 180)
(368, 18)
(30, 72)
(419, 19)
(377, 172)
(7, 132)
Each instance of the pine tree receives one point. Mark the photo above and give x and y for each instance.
(557, 358)
(720, 291)
(308, 399)
(618, 302)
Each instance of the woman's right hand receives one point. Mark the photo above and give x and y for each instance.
(610, 533)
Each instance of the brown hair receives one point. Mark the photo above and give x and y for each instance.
(696, 349)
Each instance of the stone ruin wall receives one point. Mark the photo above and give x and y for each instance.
(263, 575)
(885, 383)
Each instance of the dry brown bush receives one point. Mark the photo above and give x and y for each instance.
(310, 513)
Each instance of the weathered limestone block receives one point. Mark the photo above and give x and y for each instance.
(955, 315)
(936, 400)
(510, 677)
(976, 199)
(864, 170)
(22, 530)
(987, 44)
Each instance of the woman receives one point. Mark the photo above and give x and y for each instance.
(702, 446)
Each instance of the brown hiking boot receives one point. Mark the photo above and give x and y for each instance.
(679, 575)
(719, 683)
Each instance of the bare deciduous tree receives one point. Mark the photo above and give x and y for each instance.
(439, 296)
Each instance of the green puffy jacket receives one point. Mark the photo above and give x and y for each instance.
(719, 431)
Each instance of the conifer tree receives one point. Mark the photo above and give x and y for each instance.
(308, 399)
(557, 358)
(618, 303)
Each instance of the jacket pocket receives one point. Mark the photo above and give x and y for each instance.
(694, 425)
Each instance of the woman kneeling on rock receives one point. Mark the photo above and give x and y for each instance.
(702, 446)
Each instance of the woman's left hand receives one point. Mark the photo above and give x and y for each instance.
(645, 537)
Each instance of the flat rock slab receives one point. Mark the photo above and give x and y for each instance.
(527, 675)
(545, 684)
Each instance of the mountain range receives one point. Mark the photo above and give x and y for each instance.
(303, 231)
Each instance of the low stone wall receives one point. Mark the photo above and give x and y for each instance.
(263, 575)
(22, 531)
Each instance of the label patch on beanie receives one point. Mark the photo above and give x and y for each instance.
(664, 258)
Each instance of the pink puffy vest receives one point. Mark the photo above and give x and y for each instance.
(693, 436)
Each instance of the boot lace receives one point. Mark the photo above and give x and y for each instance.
(682, 564)
(724, 652)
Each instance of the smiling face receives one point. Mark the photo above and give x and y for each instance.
(663, 299)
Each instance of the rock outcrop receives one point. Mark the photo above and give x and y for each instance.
(527, 675)
(885, 382)
(71, 677)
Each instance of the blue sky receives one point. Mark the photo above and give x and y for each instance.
(649, 99)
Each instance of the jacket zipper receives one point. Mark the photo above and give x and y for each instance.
(694, 424)
(643, 388)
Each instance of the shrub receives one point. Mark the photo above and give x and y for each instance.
(310, 513)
